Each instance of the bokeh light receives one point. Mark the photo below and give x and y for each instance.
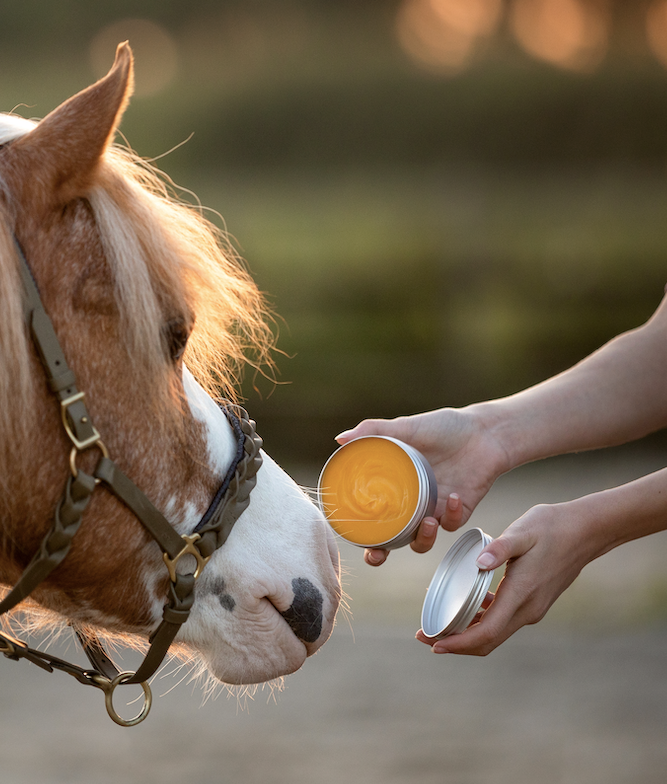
(155, 52)
(656, 30)
(227, 47)
(568, 33)
(441, 34)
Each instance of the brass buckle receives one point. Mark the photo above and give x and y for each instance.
(189, 549)
(79, 445)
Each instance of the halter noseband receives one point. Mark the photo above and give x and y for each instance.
(211, 532)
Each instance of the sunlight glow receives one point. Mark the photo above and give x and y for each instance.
(156, 56)
(656, 30)
(571, 34)
(441, 35)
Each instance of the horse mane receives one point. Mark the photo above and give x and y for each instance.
(185, 257)
(163, 253)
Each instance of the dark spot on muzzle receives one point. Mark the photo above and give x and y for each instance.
(225, 599)
(305, 614)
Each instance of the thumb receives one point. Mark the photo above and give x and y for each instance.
(508, 545)
(369, 427)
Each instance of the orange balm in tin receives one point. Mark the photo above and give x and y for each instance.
(375, 490)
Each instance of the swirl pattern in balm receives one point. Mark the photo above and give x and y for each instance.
(369, 491)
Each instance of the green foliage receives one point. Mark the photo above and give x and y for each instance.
(406, 290)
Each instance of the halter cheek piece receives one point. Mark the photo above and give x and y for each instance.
(212, 531)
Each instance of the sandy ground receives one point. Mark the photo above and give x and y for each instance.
(579, 699)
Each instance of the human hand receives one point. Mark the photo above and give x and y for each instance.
(544, 551)
(465, 458)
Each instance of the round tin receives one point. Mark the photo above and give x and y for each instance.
(418, 467)
(458, 587)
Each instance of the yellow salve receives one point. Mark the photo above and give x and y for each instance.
(369, 490)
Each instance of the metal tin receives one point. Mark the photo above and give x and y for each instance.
(458, 587)
(425, 506)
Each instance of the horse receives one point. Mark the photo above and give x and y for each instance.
(155, 317)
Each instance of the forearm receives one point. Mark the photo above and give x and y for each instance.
(617, 394)
(620, 514)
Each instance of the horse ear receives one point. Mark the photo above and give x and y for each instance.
(61, 154)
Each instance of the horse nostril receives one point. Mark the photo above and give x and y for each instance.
(305, 614)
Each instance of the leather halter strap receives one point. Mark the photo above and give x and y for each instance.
(229, 503)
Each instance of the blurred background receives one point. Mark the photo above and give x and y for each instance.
(444, 200)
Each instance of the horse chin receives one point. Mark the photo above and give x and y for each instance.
(264, 648)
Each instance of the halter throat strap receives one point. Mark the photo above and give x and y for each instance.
(214, 528)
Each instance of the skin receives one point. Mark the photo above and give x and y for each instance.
(615, 395)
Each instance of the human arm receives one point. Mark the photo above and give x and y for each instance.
(617, 394)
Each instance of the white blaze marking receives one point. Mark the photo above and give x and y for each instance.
(219, 434)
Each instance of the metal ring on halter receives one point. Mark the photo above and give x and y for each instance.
(72, 457)
(7, 647)
(108, 687)
(188, 549)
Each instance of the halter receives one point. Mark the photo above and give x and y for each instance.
(211, 532)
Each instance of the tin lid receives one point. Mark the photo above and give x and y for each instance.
(458, 587)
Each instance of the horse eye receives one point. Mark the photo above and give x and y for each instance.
(177, 334)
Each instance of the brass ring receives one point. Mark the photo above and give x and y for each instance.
(7, 647)
(72, 457)
(109, 689)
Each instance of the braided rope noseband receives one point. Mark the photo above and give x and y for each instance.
(212, 531)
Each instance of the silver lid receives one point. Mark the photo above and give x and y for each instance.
(458, 587)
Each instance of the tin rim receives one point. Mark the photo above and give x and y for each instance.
(428, 495)
(454, 598)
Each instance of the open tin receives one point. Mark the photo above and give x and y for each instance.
(376, 490)
(458, 587)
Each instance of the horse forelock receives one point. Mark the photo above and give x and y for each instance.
(168, 259)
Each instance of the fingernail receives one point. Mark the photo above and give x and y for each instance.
(439, 648)
(374, 559)
(344, 434)
(429, 526)
(453, 501)
(485, 561)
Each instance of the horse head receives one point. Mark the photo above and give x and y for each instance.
(154, 315)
